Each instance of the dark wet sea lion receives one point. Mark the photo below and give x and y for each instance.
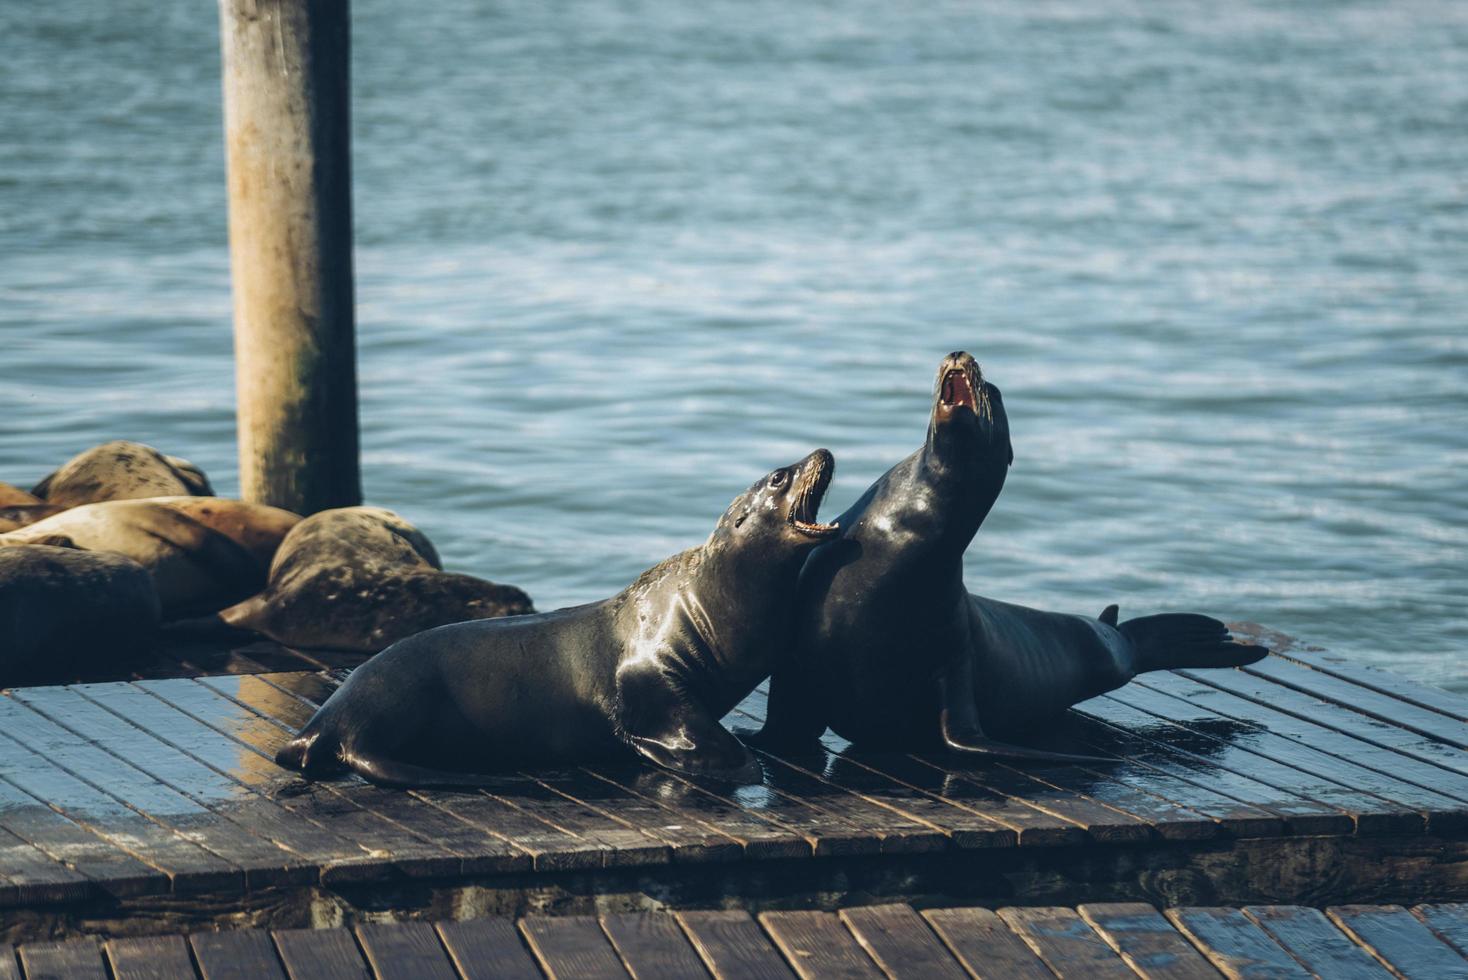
(891, 649)
(63, 610)
(649, 671)
(195, 568)
(362, 578)
(121, 470)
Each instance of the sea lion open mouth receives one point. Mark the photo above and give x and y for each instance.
(811, 483)
(961, 385)
(958, 389)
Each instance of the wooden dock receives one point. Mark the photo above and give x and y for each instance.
(152, 806)
(1102, 940)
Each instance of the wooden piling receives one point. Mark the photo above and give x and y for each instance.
(287, 138)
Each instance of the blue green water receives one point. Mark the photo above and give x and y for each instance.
(617, 259)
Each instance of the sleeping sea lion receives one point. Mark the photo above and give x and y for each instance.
(649, 671)
(195, 568)
(121, 470)
(62, 609)
(18, 508)
(893, 652)
(361, 578)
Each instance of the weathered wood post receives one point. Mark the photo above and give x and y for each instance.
(287, 140)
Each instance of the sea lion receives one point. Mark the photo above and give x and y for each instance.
(61, 608)
(12, 496)
(18, 508)
(195, 568)
(893, 652)
(361, 578)
(649, 671)
(121, 470)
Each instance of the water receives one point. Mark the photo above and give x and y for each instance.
(618, 259)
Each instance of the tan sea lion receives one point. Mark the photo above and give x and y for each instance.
(360, 578)
(121, 470)
(196, 569)
(257, 528)
(63, 610)
(11, 496)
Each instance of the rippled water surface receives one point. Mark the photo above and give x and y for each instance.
(617, 259)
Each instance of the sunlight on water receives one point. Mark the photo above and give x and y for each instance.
(618, 259)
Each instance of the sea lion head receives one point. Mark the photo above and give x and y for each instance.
(969, 430)
(781, 507)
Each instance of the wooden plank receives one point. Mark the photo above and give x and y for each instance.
(188, 866)
(281, 820)
(964, 827)
(239, 954)
(401, 849)
(405, 951)
(113, 870)
(1400, 940)
(1311, 938)
(119, 758)
(1274, 760)
(572, 947)
(1146, 941)
(985, 946)
(1102, 823)
(758, 835)
(79, 959)
(818, 946)
(488, 949)
(150, 958)
(1066, 943)
(686, 840)
(1203, 758)
(901, 942)
(1449, 920)
(733, 946)
(894, 830)
(1189, 780)
(33, 877)
(258, 831)
(1442, 797)
(1236, 945)
(1338, 718)
(476, 850)
(1383, 707)
(9, 966)
(1032, 827)
(320, 954)
(652, 946)
(1364, 675)
(527, 836)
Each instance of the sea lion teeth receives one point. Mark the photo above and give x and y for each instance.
(648, 672)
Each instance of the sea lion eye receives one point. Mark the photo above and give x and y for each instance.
(778, 479)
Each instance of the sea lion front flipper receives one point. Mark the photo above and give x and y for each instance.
(791, 716)
(958, 721)
(406, 775)
(666, 727)
(1109, 614)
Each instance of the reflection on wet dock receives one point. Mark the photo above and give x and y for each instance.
(153, 805)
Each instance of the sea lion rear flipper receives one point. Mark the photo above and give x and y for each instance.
(958, 721)
(1109, 614)
(1180, 640)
